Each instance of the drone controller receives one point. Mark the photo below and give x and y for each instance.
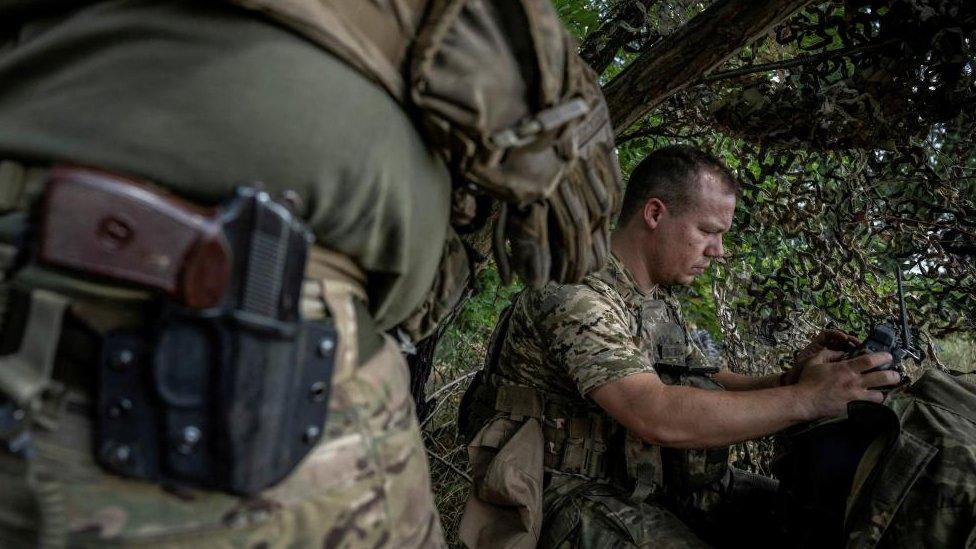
(883, 339)
(888, 339)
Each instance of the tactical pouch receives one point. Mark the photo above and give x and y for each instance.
(687, 470)
(507, 101)
(230, 394)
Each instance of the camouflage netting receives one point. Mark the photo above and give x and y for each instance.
(852, 129)
(878, 73)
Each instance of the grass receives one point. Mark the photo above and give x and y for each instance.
(460, 352)
(958, 353)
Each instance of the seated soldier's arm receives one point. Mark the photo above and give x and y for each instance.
(687, 417)
(744, 382)
(829, 340)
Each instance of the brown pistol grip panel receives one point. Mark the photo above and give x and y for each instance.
(106, 225)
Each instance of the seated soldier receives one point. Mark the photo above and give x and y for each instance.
(598, 385)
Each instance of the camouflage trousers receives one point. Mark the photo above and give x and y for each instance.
(588, 514)
(591, 514)
(366, 484)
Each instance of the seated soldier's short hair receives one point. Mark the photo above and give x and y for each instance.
(670, 174)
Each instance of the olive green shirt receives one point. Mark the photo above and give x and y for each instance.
(202, 97)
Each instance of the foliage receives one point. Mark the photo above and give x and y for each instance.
(959, 354)
(822, 225)
(460, 353)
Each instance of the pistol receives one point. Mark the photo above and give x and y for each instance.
(105, 225)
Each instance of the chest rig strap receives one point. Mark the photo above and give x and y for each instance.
(576, 441)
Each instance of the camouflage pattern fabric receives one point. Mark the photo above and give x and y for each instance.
(302, 121)
(570, 339)
(912, 477)
(565, 341)
(365, 485)
(922, 492)
(591, 514)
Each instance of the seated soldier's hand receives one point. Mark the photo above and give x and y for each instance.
(825, 389)
(827, 340)
(828, 346)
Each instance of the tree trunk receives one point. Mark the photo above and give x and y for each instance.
(690, 53)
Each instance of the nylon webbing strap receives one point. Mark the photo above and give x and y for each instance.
(333, 280)
(519, 402)
(26, 373)
(644, 467)
(574, 443)
(337, 270)
(643, 481)
(19, 184)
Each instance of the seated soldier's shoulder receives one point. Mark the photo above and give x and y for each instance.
(583, 299)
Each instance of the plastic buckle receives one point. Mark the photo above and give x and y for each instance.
(528, 130)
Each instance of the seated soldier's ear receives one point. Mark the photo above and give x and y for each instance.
(653, 210)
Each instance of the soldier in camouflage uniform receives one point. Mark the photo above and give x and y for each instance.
(599, 421)
(307, 98)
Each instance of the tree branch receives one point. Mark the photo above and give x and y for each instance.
(447, 386)
(652, 132)
(696, 48)
(796, 61)
(449, 465)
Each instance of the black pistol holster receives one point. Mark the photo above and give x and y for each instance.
(228, 387)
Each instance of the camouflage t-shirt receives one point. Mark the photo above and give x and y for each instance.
(572, 338)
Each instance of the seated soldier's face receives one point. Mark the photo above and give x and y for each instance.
(689, 239)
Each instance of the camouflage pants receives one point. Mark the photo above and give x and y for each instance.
(588, 514)
(366, 484)
(744, 511)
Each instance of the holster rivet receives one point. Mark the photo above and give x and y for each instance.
(119, 455)
(120, 407)
(311, 434)
(123, 359)
(317, 391)
(189, 437)
(326, 346)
